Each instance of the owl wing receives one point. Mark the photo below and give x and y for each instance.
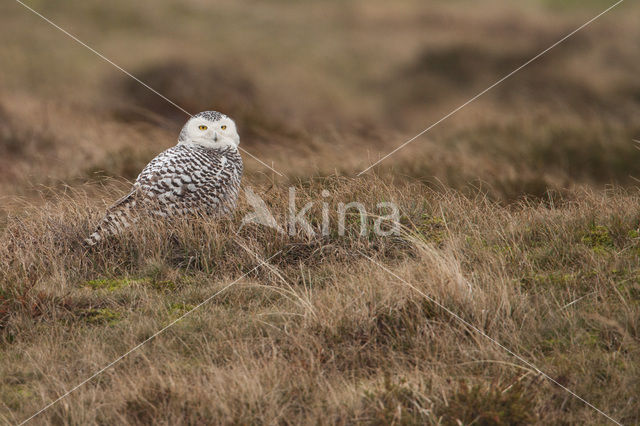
(185, 180)
(181, 180)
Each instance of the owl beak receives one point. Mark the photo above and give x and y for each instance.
(215, 137)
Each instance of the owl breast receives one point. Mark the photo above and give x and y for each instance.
(191, 179)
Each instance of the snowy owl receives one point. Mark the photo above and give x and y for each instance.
(199, 176)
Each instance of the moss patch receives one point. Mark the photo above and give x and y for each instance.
(101, 316)
(176, 310)
(110, 284)
(15, 395)
(598, 238)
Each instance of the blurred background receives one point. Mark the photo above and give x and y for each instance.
(325, 87)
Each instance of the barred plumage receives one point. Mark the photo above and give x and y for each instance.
(199, 176)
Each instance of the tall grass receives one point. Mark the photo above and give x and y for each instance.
(320, 333)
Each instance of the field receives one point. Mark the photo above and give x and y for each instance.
(514, 279)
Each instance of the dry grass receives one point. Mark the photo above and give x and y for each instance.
(322, 334)
(520, 214)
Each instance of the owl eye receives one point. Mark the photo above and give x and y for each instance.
(202, 127)
(223, 127)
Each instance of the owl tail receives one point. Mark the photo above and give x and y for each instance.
(118, 218)
(92, 239)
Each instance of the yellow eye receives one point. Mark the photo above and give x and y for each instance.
(202, 127)
(223, 127)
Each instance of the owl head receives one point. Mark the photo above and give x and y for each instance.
(210, 129)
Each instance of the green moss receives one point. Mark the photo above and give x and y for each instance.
(557, 279)
(113, 284)
(163, 285)
(15, 395)
(109, 284)
(176, 310)
(101, 316)
(591, 339)
(504, 250)
(432, 229)
(598, 238)
(629, 286)
(634, 236)
(551, 344)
